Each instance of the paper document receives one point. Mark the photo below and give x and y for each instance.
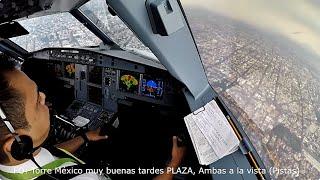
(211, 134)
(80, 121)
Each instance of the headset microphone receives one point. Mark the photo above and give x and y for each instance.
(22, 146)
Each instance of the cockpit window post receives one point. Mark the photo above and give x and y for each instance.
(91, 26)
(13, 50)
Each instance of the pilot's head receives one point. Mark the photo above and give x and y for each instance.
(24, 106)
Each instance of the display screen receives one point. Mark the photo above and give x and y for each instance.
(58, 69)
(129, 82)
(95, 74)
(69, 70)
(151, 87)
(95, 95)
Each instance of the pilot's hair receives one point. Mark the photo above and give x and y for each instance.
(11, 102)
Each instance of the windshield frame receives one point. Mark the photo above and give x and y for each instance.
(82, 18)
(78, 15)
(127, 46)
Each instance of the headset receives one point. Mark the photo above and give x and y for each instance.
(22, 146)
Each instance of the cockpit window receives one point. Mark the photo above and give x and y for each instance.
(263, 58)
(113, 26)
(57, 30)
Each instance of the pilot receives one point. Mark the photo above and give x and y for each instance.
(25, 125)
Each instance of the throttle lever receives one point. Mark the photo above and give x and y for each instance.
(108, 128)
(61, 118)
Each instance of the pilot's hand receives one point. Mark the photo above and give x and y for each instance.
(177, 153)
(95, 135)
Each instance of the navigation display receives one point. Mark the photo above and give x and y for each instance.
(129, 82)
(95, 74)
(58, 69)
(151, 87)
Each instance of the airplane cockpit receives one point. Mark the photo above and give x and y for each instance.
(134, 98)
(131, 68)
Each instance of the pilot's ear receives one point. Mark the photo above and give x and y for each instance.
(7, 145)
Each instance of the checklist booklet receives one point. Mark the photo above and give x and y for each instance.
(211, 134)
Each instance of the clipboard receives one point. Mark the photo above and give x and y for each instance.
(211, 133)
(245, 144)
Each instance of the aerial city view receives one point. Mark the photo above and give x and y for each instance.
(57, 30)
(268, 87)
(271, 83)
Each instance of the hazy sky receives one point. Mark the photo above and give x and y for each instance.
(298, 20)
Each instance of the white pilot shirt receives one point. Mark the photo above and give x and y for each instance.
(42, 158)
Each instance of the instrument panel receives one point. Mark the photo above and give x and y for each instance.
(109, 79)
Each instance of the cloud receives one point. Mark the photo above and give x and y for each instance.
(281, 16)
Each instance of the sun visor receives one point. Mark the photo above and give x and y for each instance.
(14, 9)
(11, 29)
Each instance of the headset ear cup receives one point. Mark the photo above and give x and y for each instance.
(22, 150)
